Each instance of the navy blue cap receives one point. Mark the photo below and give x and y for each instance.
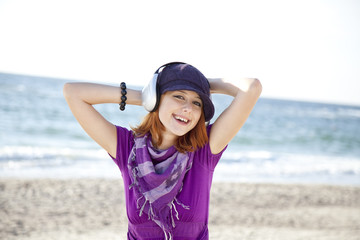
(186, 77)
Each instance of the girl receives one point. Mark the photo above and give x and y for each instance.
(167, 162)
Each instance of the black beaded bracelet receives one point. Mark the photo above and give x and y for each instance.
(123, 96)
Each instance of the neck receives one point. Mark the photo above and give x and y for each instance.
(168, 140)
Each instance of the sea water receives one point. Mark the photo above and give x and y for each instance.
(282, 141)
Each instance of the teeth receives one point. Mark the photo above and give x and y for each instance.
(181, 119)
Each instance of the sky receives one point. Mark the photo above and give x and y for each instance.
(303, 50)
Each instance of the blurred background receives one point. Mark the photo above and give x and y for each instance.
(305, 127)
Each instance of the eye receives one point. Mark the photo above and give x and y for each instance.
(196, 103)
(179, 97)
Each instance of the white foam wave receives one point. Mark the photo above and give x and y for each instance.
(261, 165)
(43, 162)
(30, 152)
(264, 166)
(16, 157)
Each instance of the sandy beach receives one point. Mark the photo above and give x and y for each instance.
(94, 209)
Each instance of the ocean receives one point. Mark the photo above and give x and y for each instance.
(283, 141)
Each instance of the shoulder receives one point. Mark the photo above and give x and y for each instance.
(125, 142)
(124, 133)
(125, 138)
(204, 155)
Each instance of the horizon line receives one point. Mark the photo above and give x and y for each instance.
(351, 104)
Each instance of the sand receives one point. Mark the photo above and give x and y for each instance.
(94, 209)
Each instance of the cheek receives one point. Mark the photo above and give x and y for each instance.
(161, 115)
(167, 106)
(197, 117)
(164, 113)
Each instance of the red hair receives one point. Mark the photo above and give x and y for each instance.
(191, 141)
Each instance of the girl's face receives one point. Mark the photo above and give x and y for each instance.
(179, 111)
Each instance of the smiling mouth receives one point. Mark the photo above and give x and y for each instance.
(181, 119)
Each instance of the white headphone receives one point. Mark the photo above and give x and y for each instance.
(150, 95)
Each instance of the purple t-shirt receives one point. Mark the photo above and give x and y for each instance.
(193, 223)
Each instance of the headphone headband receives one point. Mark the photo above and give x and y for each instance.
(167, 64)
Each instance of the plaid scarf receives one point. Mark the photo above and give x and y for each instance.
(157, 177)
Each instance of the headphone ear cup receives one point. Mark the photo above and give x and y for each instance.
(149, 94)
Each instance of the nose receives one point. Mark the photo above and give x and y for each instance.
(188, 107)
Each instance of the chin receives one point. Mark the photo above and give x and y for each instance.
(179, 132)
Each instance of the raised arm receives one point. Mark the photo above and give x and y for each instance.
(246, 92)
(80, 98)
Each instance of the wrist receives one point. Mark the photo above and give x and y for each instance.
(133, 97)
(223, 86)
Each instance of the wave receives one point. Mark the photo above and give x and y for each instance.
(50, 162)
(263, 166)
(27, 156)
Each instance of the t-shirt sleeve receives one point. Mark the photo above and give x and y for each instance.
(206, 157)
(125, 142)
